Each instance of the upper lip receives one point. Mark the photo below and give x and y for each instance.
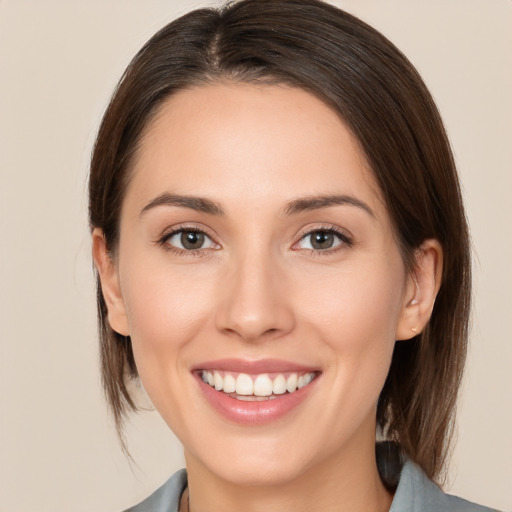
(254, 366)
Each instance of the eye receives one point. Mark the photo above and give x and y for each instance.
(322, 240)
(189, 240)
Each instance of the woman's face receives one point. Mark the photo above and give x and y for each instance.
(256, 252)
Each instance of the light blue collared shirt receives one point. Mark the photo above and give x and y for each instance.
(415, 493)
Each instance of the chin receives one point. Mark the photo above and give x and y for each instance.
(246, 473)
(257, 462)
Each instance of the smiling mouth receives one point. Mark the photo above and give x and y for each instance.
(261, 387)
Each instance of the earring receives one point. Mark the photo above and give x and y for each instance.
(414, 330)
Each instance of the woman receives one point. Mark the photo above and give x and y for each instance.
(283, 261)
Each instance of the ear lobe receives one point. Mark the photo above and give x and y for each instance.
(109, 279)
(421, 290)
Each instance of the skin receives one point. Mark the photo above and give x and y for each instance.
(257, 289)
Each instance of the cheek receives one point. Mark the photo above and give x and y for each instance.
(356, 314)
(361, 299)
(165, 309)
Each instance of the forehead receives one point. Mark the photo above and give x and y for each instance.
(260, 142)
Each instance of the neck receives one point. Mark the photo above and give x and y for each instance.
(347, 482)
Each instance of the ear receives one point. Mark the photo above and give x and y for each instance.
(109, 279)
(421, 289)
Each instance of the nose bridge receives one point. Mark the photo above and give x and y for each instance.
(255, 303)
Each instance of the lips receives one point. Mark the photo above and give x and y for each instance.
(254, 392)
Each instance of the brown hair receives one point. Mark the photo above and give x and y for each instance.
(382, 99)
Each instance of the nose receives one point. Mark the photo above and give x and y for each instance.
(254, 301)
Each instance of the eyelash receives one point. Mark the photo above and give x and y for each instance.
(164, 239)
(345, 241)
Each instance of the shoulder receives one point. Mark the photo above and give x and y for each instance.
(166, 498)
(416, 493)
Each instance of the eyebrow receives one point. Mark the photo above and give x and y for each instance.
(318, 202)
(199, 204)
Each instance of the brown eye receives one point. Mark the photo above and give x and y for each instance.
(323, 240)
(190, 240)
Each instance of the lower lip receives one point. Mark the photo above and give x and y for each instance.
(256, 412)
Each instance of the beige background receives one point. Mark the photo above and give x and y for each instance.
(59, 61)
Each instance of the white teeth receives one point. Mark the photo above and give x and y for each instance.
(229, 384)
(304, 380)
(218, 381)
(279, 385)
(300, 382)
(308, 378)
(244, 385)
(291, 383)
(262, 387)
